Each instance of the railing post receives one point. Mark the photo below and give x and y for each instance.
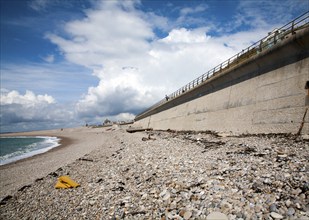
(260, 46)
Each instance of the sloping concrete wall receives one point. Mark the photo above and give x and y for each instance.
(264, 95)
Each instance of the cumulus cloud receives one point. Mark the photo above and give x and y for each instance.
(64, 81)
(29, 99)
(112, 31)
(114, 37)
(17, 110)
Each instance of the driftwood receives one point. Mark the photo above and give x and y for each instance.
(138, 129)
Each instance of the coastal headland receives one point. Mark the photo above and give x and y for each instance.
(160, 175)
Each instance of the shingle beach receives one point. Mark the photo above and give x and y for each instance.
(160, 175)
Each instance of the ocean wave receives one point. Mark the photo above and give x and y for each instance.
(30, 150)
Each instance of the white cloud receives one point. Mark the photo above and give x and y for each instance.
(39, 5)
(49, 58)
(109, 32)
(28, 100)
(267, 14)
(183, 35)
(64, 81)
(16, 107)
(23, 111)
(188, 10)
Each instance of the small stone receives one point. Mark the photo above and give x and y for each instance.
(287, 175)
(288, 203)
(173, 205)
(91, 202)
(305, 187)
(169, 215)
(216, 216)
(187, 215)
(291, 211)
(166, 196)
(258, 208)
(163, 193)
(267, 181)
(273, 208)
(305, 136)
(296, 191)
(182, 213)
(298, 206)
(145, 196)
(275, 215)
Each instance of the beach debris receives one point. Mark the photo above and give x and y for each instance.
(99, 180)
(5, 199)
(138, 129)
(86, 159)
(24, 187)
(110, 129)
(54, 174)
(149, 138)
(65, 182)
(39, 179)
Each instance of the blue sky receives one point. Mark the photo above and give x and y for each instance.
(65, 63)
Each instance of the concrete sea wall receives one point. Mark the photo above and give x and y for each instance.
(265, 94)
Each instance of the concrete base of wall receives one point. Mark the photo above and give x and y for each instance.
(272, 102)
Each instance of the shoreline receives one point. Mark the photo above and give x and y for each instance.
(63, 142)
(74, 143)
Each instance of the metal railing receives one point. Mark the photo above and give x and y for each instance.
(265, 43)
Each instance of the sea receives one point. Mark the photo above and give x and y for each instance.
(20, 147)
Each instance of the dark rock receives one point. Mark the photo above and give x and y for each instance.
(273, 208)
(5, 199)
(24, 187)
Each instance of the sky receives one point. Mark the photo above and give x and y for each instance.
(65, 63)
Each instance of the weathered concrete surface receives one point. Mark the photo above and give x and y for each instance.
(264, 95)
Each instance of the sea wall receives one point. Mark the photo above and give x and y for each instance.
(265, 94)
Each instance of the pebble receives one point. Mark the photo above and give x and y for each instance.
(91, 202)
(216, 216)
(288, 203)
(276, 215)
(291, 211)
(187, 215)
(273, 208)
